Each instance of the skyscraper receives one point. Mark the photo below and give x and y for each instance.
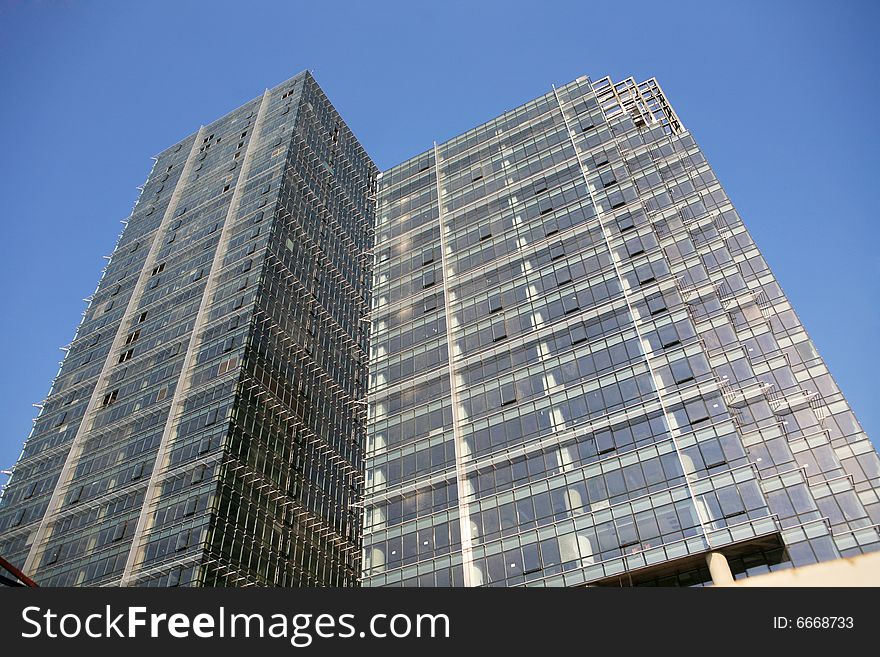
(583, 372)
(581, 369)
(206, 425)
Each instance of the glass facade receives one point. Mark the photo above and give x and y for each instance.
(206, 426)
(582, 371)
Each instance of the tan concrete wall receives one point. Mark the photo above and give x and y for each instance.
(863, 570)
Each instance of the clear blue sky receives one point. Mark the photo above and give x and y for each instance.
(782, 96)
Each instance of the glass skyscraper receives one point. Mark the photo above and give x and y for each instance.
(206, 426)
(546, 352)
(582, 371)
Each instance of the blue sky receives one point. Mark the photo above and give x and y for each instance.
(782, 96)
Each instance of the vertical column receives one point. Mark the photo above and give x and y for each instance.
(464, 519)
(76, 445)
(184, 383)
(607, 239)
(719, 568)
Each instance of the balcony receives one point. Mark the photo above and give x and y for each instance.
(743, 395)
(691, 293)
(785, 403)
(733, 301)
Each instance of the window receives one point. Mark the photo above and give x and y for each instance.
(551, 227)
(645, 274)
(126, 355)
(625, 222)
(143, 317)
(540, 186)
(198, 474)
(495, 303)
(430, 303)
(577, 333)
(608, 178)
(110, 397)
(428, 279)
(131, 337)
(545, 205)
(499, 331)
(485, 232)
(427, 256)
(681, 371)
(76, 495)
(557, 250)
(229, 344)
(563, 275)
(119, 531)
(696, 412)
(158, 269)
(626, 532)
(616, 200)
(227, 365)
(29, 491)
(668, 336)
(656, 304)
(600, 158)
(182, 541)
(570, 303)
(712, 454)
(53, 555)
(605, 442)
(508, 394)
(138, 471)
(531, 560)
(730, 502)
(634, 247)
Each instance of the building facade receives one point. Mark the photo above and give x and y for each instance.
(580, 370)
(206, 425)
(583, 372)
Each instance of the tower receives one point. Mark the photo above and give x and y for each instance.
(583, 372)
(206, 425)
